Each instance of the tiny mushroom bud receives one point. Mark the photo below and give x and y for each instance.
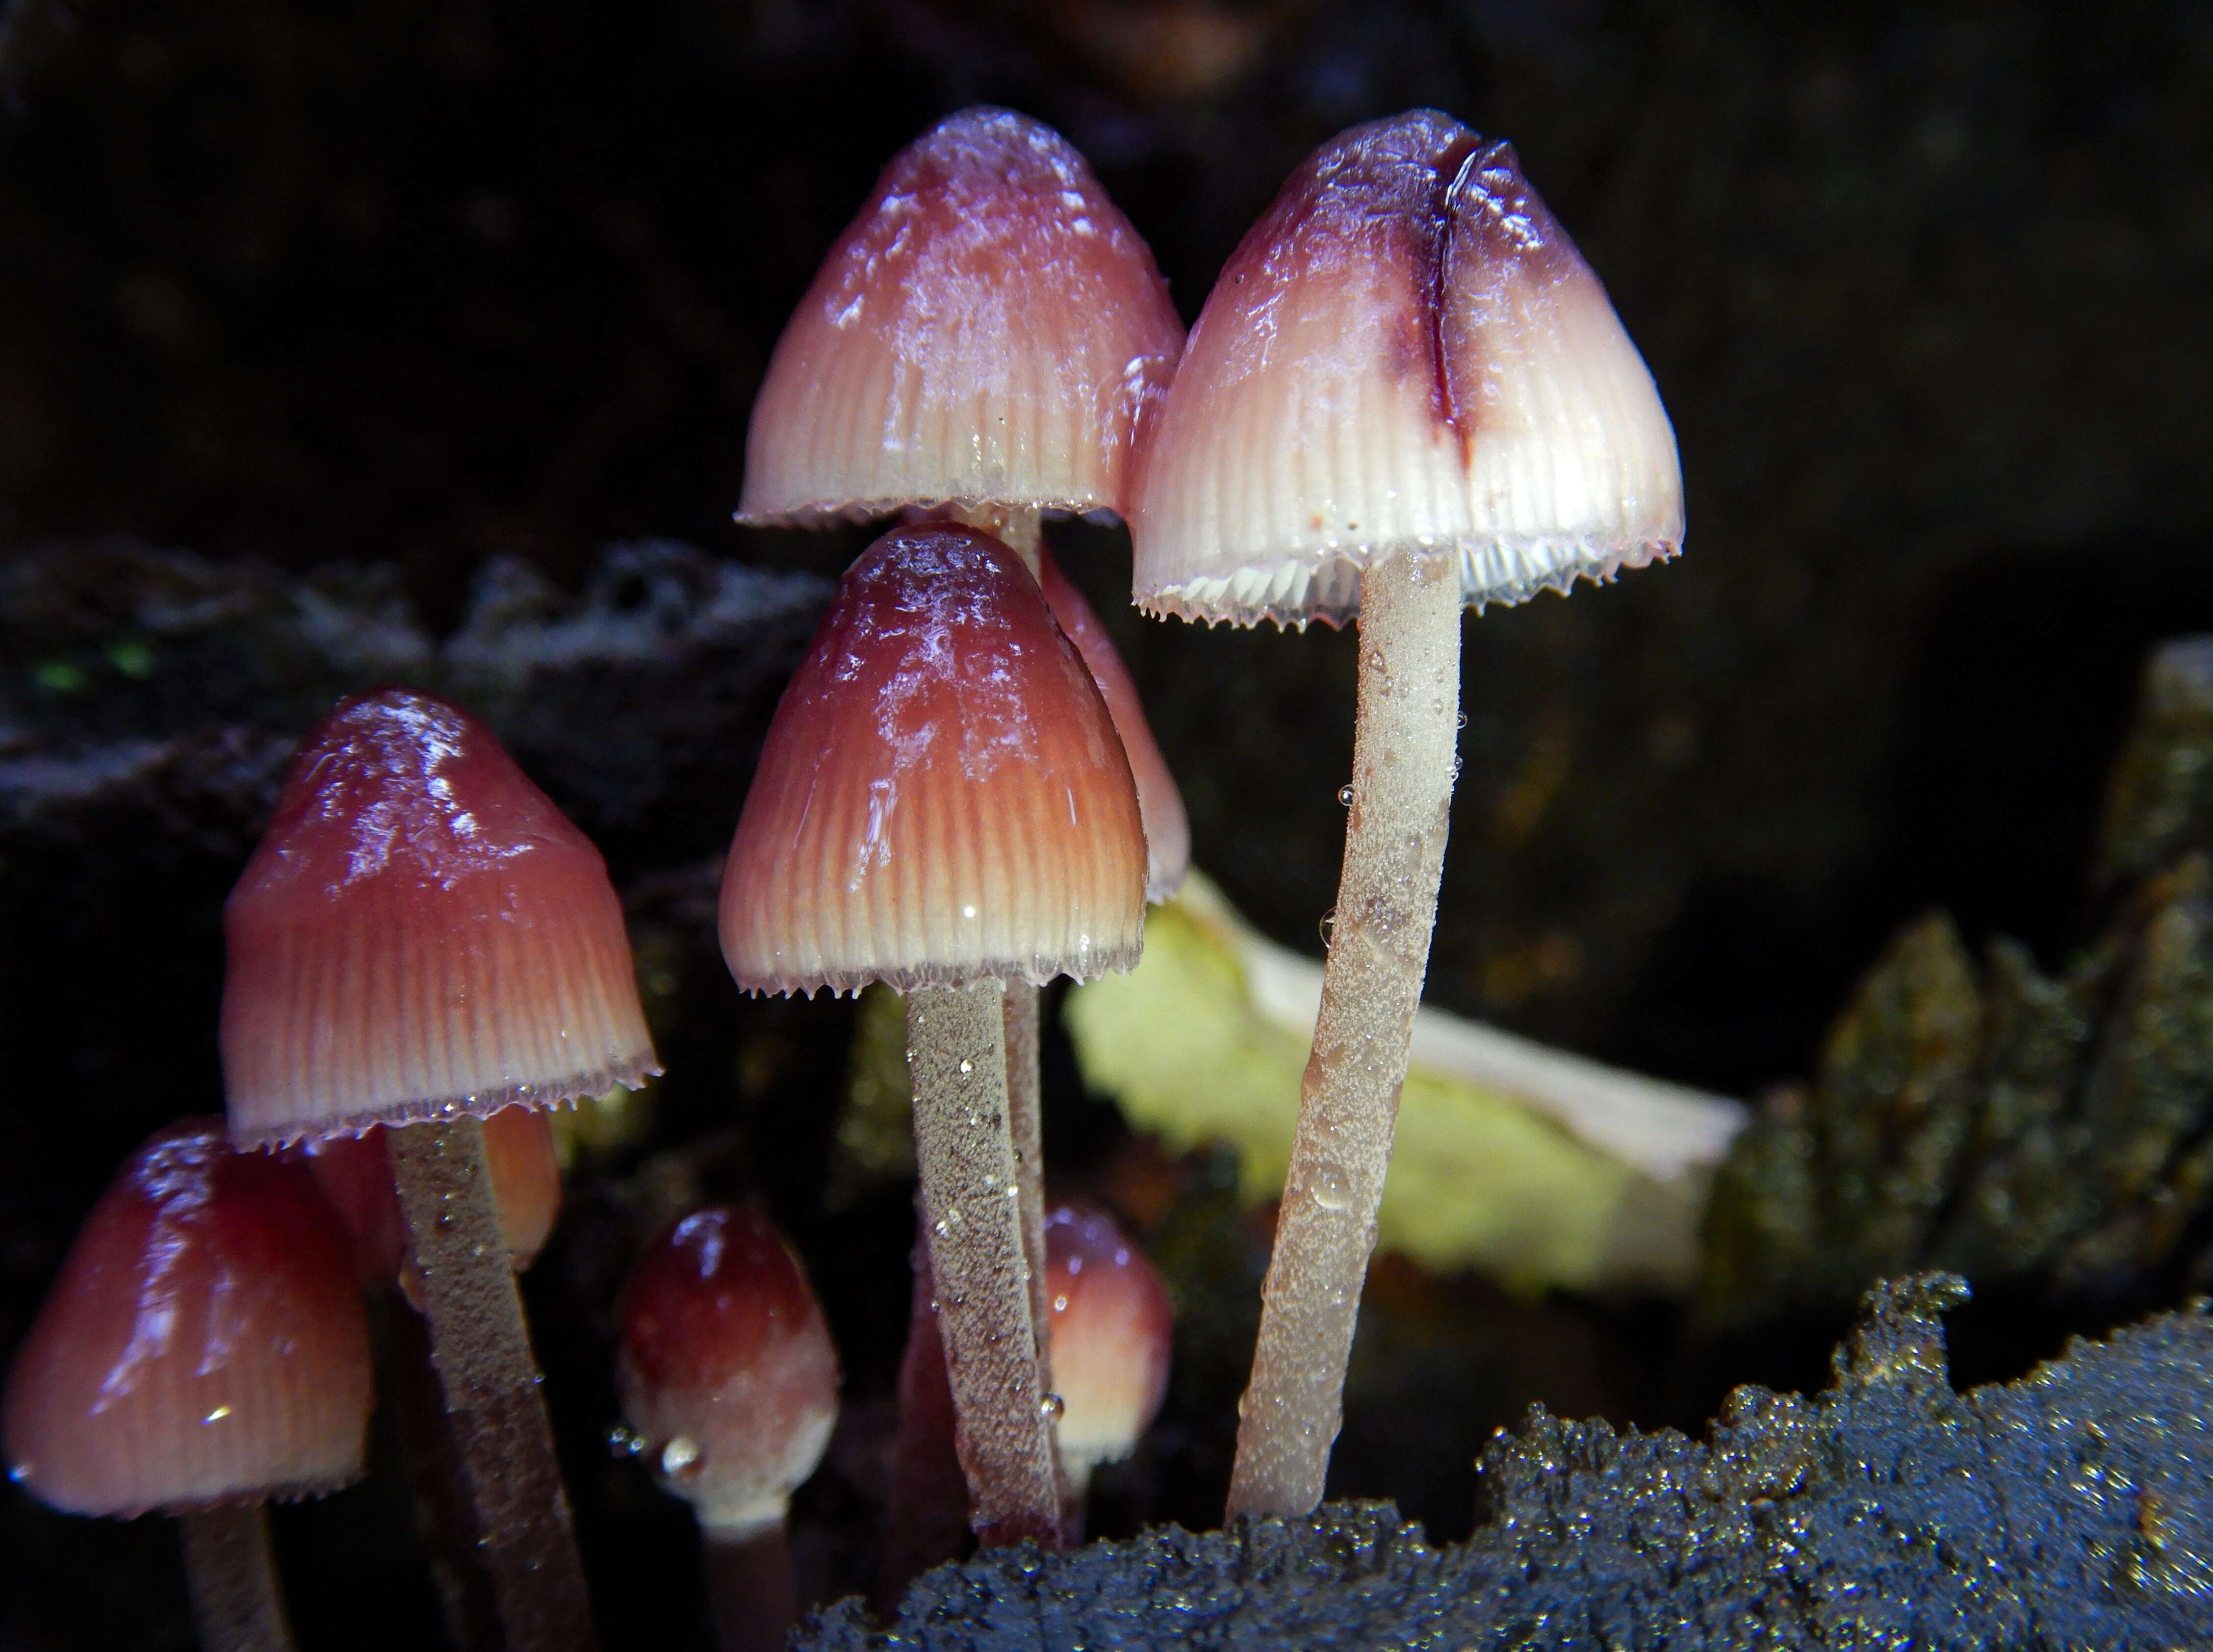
(1113, 1329)
(728, 1376)
(942, 804)
(1407, 393)
(204, 1350)
(727, 1370)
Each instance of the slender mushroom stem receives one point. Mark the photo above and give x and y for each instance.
(1021, 528)
(1025, 1122)
(1403, 761)
(237, 1604)
(445, 1516)
(956, 1047)
(750, 1592)
(481, 1348)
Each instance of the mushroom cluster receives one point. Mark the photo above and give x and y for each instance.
(1408, 395)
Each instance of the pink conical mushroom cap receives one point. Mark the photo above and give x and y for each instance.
(1159, 803)
(420, 933)
(989, 331)
(355, 1174)
(1406, 355)
(204, 1345)
(942, 797)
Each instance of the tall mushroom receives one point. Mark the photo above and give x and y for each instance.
(943, 805)
(421, 940)
(203, 1351)
(729, 1378)
(982, 343)
(1407, 394)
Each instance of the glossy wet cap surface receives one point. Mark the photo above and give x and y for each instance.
(420, 933)
(726, 1371)
(990, 329)
(204, 1342)
(1113, 1332)
(942, 796)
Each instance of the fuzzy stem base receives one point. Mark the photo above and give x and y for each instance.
(232, 1577)
(481, 1349)
(956, 1048)
(750, 1591)
(1402, 779)
(445, 1518)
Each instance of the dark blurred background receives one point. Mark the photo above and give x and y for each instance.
(1925, 290)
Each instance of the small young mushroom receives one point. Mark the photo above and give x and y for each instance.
(982, 343)
(204, 1350)
(421, 940)
(1407, 394)
(1113, 1332)
(728, 1377)
(942, 804)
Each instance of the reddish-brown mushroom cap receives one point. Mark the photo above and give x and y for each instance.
(1406, 355)
(1113, 1332)
(420, 933)
(1159, 803)
(355, 1174)
(204, 1344)
(990, 330)
(942, 797)
(726, 1370)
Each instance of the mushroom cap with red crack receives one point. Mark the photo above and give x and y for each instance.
(1406, 356)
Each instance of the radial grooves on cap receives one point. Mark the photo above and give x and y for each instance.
(376, 1015)
(1406, 355)
(204, 1344)
(988, 330)
(420, 933)
(942, 797)
(1571, 458)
